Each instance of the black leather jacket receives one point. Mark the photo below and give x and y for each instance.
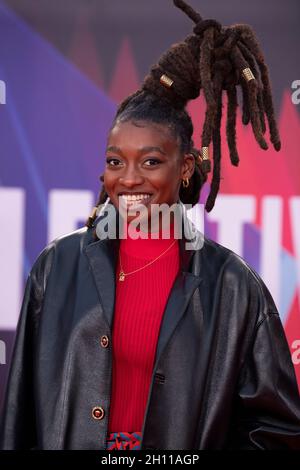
(222, 378)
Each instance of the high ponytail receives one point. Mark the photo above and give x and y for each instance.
(214, 58)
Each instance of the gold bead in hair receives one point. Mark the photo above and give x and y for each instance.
(248, 74)
(94, 212)
(205, 153)
(166, 81)
(92, 217)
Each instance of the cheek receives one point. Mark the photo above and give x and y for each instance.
(109, 180)
(167, 173)
(168, 192)
(169, 181)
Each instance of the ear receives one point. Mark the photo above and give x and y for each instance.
(188, 166)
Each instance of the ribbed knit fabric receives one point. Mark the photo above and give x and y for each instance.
(140, 303)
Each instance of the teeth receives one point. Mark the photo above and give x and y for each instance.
(136, 197)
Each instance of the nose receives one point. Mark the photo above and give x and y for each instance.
(130, 178)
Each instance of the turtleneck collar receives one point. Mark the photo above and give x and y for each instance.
(148, 248)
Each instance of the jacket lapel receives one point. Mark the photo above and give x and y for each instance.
(182, 290)
(102, 257)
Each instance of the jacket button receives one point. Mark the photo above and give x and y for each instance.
(98, 412)
(104, 341)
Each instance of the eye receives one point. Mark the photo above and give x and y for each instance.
(154, 161)
(109, 161)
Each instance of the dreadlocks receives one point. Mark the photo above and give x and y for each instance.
(213, 58)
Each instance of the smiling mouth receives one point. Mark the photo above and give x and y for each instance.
(129, 200)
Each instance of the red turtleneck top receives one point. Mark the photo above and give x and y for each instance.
(140, 303)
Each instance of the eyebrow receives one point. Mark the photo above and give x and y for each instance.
(113, 148)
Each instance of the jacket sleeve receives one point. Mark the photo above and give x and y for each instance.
(18, 423)
(268, 412)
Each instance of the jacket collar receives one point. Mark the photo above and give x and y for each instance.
(103, 258)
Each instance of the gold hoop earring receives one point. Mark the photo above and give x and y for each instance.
(186, 183)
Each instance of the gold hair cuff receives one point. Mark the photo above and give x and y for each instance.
(91, 218)
(248, 74)
(166, 81)
(94, 212)
(205, 153)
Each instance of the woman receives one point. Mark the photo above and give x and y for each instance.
(157, 343)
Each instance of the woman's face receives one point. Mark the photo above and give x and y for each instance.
(144, 165)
